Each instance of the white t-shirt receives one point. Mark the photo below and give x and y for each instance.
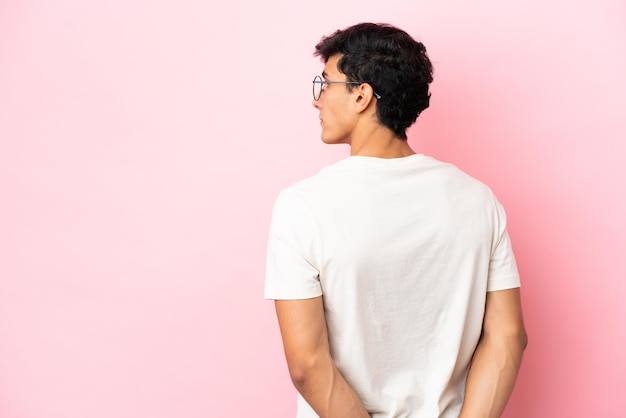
(403, 251)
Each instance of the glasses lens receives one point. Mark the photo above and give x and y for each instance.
(317, 87)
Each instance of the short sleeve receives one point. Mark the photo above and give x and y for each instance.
(503, 272)
(290, 266)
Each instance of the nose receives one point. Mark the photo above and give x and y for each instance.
(317, 103)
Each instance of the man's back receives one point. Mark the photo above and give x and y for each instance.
(403, 252)
(385, 267)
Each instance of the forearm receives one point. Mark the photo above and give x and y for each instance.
(311, 367)
(327, 392)
(492, 376)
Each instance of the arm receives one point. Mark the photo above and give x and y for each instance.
(497, 357)
(313, 372)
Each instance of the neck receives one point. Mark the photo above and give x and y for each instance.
(381, 143)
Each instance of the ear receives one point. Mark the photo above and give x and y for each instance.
(364, 97)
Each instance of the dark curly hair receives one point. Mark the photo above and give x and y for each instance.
(391, 61)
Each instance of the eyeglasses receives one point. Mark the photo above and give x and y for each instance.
(319, 83)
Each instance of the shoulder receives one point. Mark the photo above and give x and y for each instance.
(459, 179)
(310, 187)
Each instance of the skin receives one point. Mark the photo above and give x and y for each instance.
(497, 358)
(349, 117)
(312, 370)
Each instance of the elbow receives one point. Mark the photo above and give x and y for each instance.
(299, 376)
(523, 340)
(512, 341)
(516, 340)
(306, 369)
(301, 371)
(516, 343)
(519, 337)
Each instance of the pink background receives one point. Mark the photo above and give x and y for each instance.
(142, 145)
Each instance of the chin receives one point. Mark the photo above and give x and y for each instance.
(332, 140)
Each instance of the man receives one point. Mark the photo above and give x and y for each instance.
(395, 285)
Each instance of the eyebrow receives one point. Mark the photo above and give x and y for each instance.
(324, 74)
